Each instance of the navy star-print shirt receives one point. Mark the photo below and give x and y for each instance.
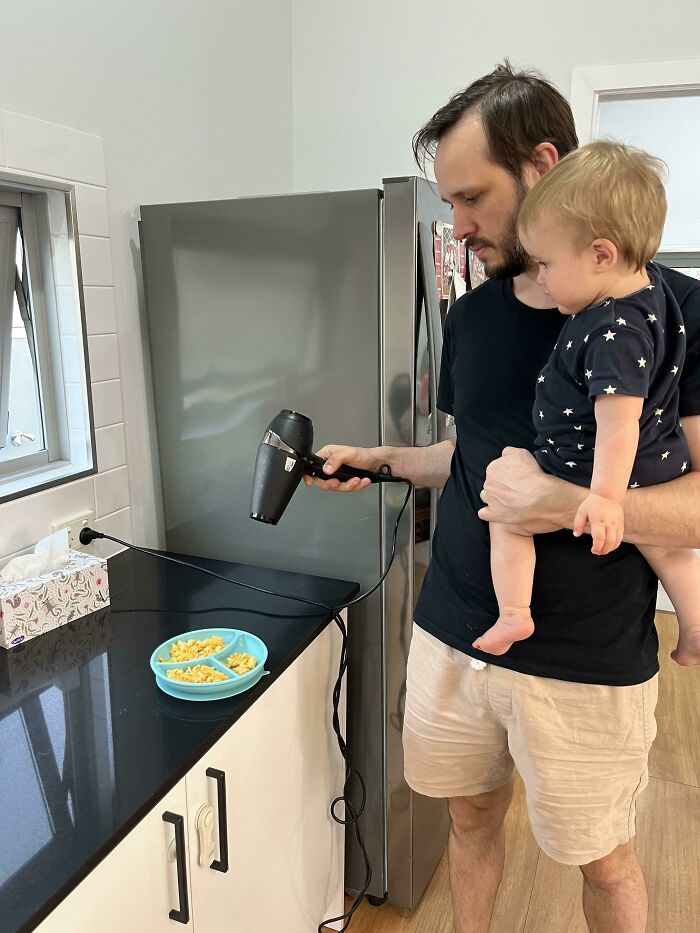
(621, 346)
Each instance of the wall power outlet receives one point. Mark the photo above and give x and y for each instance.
(74, 525)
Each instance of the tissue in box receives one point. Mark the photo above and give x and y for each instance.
(31, 607)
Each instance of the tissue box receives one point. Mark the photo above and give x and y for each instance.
(31, 607)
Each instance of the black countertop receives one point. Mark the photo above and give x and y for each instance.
(89, 744)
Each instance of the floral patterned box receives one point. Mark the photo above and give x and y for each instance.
(31, 607)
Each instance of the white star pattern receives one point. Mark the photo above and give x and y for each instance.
(685, 466)
(649, 287)
(681, 329)
(611, 390)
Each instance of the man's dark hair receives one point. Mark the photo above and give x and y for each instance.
(518, 109)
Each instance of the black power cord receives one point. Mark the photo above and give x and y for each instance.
(352, 813)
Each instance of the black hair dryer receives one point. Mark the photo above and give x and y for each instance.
(284, 456)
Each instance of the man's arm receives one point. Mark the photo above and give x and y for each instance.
(669, 515)
(517, 491)
(424, 466)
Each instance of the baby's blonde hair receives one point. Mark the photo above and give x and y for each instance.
(604, 190)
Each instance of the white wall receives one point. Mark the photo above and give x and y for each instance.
(367, 74)
(192, 101)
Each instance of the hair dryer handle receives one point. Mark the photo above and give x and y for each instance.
(344, 473)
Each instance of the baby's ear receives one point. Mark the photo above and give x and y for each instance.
(605, 253)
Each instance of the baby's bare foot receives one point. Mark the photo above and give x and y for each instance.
(687, 652)
(512, 625)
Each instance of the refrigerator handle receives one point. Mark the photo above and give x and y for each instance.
(426, 265)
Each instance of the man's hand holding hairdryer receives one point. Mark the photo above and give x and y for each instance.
(366, 458)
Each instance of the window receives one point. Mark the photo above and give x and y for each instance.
(46, 432)
(666, 124)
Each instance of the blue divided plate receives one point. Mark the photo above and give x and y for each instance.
(234, 641)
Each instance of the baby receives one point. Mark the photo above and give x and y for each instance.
(606, 405)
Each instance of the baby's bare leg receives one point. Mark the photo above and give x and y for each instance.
(679, 572)
(512, 569)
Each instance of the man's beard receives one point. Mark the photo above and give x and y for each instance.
(514, 260)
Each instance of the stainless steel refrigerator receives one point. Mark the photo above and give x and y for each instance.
(325, 303)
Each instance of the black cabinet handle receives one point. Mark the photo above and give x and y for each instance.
(220, 864)
(183, 914)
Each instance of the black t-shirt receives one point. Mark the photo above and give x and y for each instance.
(594, 615)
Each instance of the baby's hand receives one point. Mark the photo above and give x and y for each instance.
(607, 521)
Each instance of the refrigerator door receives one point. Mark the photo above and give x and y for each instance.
(255, 305)
(417, 826)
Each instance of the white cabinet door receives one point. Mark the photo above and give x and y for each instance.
(281, 767)
(136, 887)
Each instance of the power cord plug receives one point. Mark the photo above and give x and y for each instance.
(88, 535)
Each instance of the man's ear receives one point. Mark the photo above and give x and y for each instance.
(544, 157)
(604, 254)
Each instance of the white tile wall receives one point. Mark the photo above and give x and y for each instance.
(111, 448)
(95, 260)
(30, 147)
(111, 491)
(104, 357)
(91, 208)
(26, 520)
(107, 403)
(99, 310)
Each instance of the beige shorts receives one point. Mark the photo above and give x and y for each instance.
(581, 749)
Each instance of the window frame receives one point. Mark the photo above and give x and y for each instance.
(53, 466)
(591, 84)
(7, 290)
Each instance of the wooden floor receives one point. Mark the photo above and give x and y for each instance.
(540, 896)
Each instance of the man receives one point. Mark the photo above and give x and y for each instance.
(573, 706)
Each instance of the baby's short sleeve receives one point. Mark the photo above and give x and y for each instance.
(618, 361)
